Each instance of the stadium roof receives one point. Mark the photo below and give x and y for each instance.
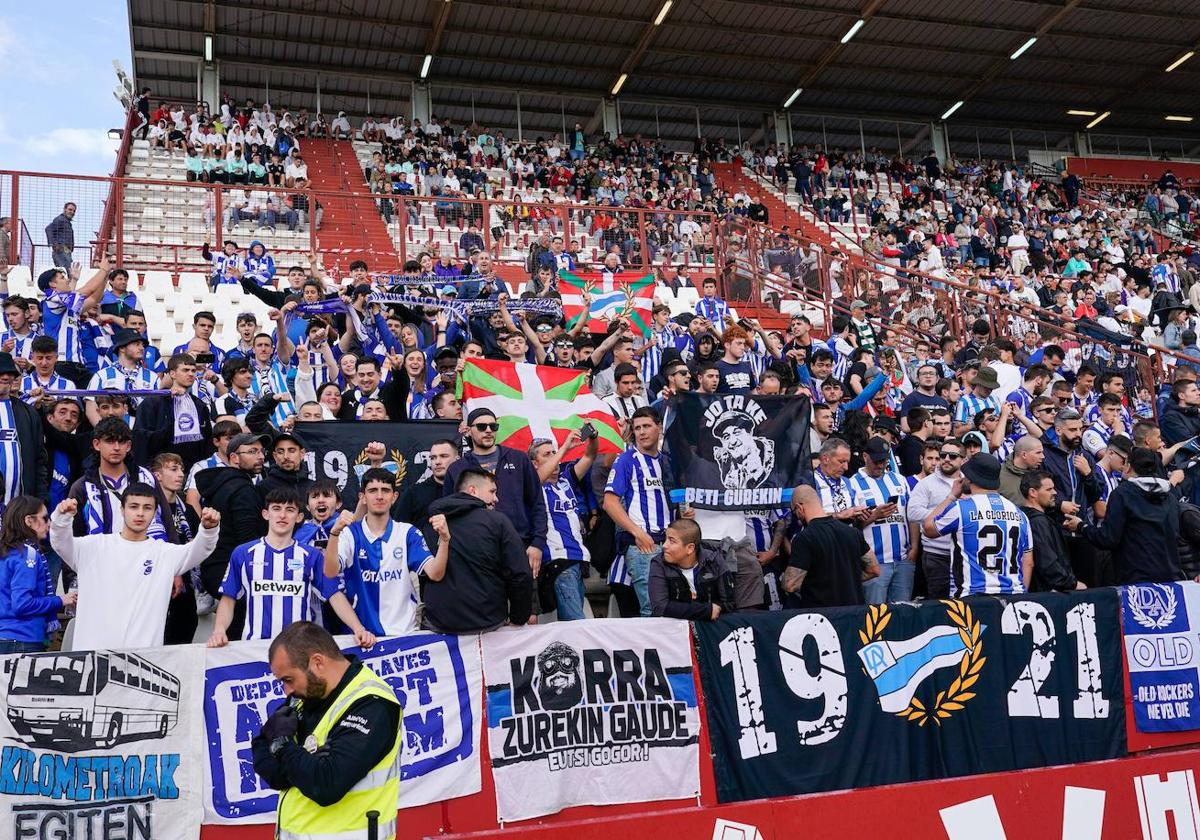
(727, 64)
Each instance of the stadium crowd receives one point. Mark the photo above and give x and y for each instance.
(1021, 455)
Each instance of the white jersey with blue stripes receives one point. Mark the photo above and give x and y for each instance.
(564, 529)
(275, 583)
(10, 452)
(61, 319)
(888, 536)
(990, 536)
(637, 480)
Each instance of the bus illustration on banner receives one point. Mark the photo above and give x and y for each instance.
(76, 701)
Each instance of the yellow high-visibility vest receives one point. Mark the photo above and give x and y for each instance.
(300, 818)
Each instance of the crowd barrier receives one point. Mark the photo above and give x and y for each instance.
(769, 720)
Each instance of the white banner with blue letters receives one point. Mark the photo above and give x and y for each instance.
(101, 744)
(438, 679)
(1162, 646)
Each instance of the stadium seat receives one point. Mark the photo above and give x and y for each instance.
(193, 284)
(687, 297)
(20, 281)
(157, 285)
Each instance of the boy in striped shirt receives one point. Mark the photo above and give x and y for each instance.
(891, 536)
(563, 551)
(274, 575)
(62, 312)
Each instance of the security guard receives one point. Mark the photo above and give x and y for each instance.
(333, 748)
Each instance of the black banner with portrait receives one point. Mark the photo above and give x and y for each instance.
(807, 701)
(337, 449)
(736, 452)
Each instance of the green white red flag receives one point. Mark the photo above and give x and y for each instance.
(536, 401)
(625, 294)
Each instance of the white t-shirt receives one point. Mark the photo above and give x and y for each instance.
(719, 524)
(124, 586)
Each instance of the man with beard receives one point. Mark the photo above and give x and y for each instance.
(352, 717)
(127, 373)
(559, 685)
(286, 469)
(1079, 487)
(1051, 563)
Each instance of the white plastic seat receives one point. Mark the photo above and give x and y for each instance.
(20, 281)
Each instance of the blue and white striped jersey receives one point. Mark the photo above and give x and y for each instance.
(22, 344)
(376, 571)
(637, 480)
(760, 525)
(1021, 398)
(652, 355)
(990, 536)
(272, 380)
(55, 383)
(889, 536)
(116, 378)
(10, 452)
(1096, 438)
(715, 311)
(61, 321)
(1109, 481)
(275, 583)
(836, 493)
(1092, 415)
(564, 528)
(970, 404)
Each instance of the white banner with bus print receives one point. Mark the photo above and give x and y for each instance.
(438, 679)
(101, 744)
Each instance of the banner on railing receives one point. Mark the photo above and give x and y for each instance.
(591, 713)
(1162, 650)
(847, 698)
(101, 744)
(735, 452)
(438, 680)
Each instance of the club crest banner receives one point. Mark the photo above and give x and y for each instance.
(735, 452)
(438, 680)
(802, 702)
(591, 713)
(1162, 649)
(98, 744)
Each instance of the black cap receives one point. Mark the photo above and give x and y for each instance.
(886, 424)
(281, 436)
(445, 353)
(877, 450)
(7, 366)
(479, 412)
(983, 471)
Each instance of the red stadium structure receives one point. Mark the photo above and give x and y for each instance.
(1102, 90)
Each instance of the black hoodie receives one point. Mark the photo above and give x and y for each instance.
(1141, 528)
(487, 578)
(1051, 562)
(232, 493)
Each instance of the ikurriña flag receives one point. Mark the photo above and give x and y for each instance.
(625, 294)
(537, 401)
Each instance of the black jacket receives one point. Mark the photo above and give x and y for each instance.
(274, 477)
(1189, 539)
(154, 432)
(1179, 423)
(1141, 527)
(348, 754)
(670, 595)
(35, 469)
(233, 494)
(518, 491)
(1058, 462)
(487, 577)
(413, 507)
(393, 394)
(1051, 563)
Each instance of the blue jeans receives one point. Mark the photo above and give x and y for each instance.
(895, 583)
(568, 591)
(61, 258)
(13, 646)
(637, 563)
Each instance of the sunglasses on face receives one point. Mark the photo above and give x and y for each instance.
(949, 456)
(486, 427)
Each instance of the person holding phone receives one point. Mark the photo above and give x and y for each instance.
(884, 492)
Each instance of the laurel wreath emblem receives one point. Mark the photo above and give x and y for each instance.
(953, 698)
(1149, 612)
(397, 458)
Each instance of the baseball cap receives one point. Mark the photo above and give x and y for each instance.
(245, 439)
(479, 412)
(877, 450)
